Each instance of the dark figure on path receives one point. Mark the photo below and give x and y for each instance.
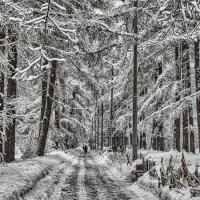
(85, 149)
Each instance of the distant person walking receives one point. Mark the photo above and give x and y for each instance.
(85, 148)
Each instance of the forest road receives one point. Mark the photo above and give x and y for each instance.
(84, 179)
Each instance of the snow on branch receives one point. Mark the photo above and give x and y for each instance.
(53, 59)
(44, 7)
(35, 49)
(36, 20)
(74, 40)
(58, 6)
(30, 65)
(112, 30)
(15, 19)
(31, 78)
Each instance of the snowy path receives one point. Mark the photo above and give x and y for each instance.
(100, 184)
(84, 179)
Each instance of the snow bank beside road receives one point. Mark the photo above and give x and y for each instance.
(19, 177)
(120, 170)
(164, 192)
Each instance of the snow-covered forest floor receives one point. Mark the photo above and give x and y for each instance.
(150, 184)
(70, 175)
(121, 170)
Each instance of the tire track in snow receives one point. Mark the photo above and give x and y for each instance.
(69, 186)
(100, 186)
(117, 189)
(59, 184)
(95, 187)
(81, 193)
(64, 189)
(45, 187)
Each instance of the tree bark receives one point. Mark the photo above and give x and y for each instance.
(161, 142)
(186, 85)
(11, 94)
(177, 121)
(102, 110)
(44, 95)
(158, 140)
(154, 139)
(57, 121)
(134, 72)
(111, 107)
(191, 132)
(2, 49)
(197, 79)
(95, 131)
(185, 131)
(92, 133)
(95, 123)
(1, 108)
(98, 112)
(47, 114)
(57, 118)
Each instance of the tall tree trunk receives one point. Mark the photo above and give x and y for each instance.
(140, 143)
(95, 130)
(92, 133)
(161, 142)
(186, 85)
(102, 110)
(1, 109)
(98, 115)
(154, 135)
(95, 123)
(44, 95)
(158, 140)
(197, 79)
(191, 132)
(177, 121)
(111, 107)
(47, 114)
(155, 123)
(134, 72)
(185, 131)
(11, 93)
(57, 120)
(2, 50)
(144, 141)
